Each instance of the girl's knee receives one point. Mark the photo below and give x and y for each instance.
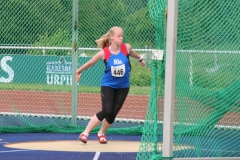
(103, 114)
(110, 120)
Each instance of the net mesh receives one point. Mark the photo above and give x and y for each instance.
(206, 116)
(36, 64)
(36, 71)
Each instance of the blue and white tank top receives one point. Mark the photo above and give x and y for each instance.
(117, 72)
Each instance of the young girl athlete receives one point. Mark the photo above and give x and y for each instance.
(115, 81)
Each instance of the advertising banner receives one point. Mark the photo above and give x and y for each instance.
(50, 70)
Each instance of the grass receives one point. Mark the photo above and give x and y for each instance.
(136, 90)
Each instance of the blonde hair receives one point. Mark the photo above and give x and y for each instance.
(105, 40)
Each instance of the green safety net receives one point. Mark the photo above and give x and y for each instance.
(207, 91)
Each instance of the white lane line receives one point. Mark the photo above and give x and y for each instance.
(13, 151)
(96, 156)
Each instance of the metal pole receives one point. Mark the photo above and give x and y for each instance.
(74, 59)
(169, 91)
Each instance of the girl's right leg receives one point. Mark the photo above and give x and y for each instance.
(94, 122)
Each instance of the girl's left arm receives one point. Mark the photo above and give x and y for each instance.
(134, 54)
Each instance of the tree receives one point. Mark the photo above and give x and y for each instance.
(139, 29)
(61, 38)
(22, 21)
(97, 17)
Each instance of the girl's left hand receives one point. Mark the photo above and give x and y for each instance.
(142, 63)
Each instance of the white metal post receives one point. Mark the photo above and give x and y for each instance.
(74, 60)
(169, 89)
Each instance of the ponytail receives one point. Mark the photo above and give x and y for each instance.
(105, 40)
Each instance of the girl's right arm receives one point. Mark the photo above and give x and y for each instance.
(89, 64)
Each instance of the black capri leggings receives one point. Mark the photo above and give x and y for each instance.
(112, 102)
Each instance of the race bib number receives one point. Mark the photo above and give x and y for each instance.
(118, 71)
